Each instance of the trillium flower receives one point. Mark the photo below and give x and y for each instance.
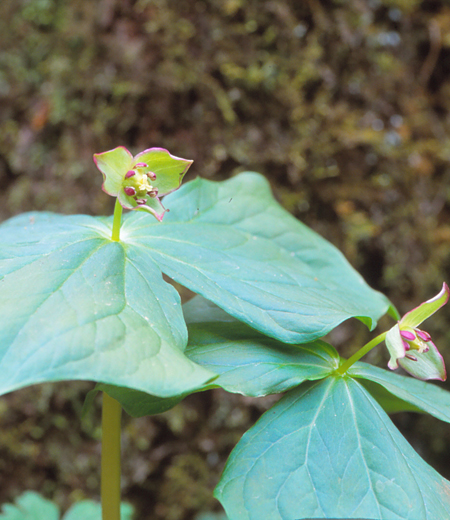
(411, 347)
(138, 182)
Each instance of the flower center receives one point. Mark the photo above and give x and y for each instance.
(136, 183)
(415, 339)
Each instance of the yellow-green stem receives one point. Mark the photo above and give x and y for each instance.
(110, 472)
(360, 353)
(117, 221)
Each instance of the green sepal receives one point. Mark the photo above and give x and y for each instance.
(168, 168)
(113, 165)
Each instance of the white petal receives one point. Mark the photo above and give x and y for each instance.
(394, 344)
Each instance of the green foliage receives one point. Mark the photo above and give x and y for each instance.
(273, 272)
(76, 305)
(343, 108)
(405, 393)
(90, 510)
(211, 516)
(32, 506)
(328, 450)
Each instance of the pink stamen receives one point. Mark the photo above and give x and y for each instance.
(141, 201)
(406, 345)
(153, 193)
(411, 357)
(423, 335)
(130, 191)
(152, 175)
(141, 165)
(409, 336)
(130, 173)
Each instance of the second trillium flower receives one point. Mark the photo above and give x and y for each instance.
(411, 347)
(139, 182)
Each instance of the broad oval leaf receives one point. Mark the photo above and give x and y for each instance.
(404, 392)
(75, 305)
(234, 244)
(327, 450)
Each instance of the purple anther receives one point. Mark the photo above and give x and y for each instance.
(153, 193)
(406, 334)
(152, 175)
(130, 173)
(130, 191)
(140, 201)
(423, 335)
(141, 165)
(411, 357)
(406, 345)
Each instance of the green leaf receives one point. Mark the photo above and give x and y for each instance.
(255, 365)
(389, 402)
(90, 510)
(406, 393)
(134, 402)
(327, 450)
(211, 516)
(234, 244)
(247, 362)
(30, 506)
(75, 305)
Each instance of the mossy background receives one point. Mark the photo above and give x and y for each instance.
(343, 105)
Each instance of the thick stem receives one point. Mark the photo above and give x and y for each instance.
(110, 471)
(360, 353)
(116, 222)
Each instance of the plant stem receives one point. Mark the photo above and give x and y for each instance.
(110, 470)
(360, 353)
(116, 222)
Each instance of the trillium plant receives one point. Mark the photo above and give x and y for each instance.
(83, 298)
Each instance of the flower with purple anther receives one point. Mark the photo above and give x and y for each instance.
(138, 182)
(411, 347)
